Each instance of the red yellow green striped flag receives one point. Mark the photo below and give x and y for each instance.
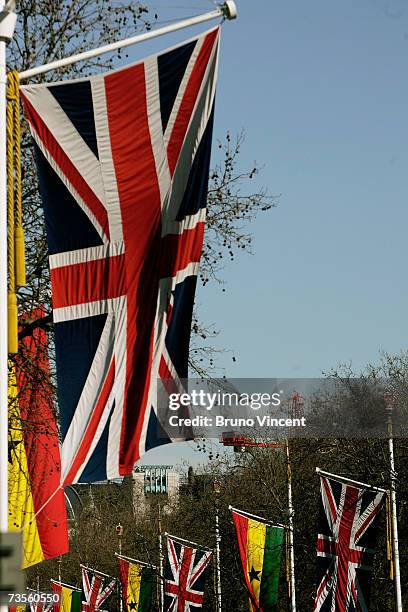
(36, 501)
(260, 546)
(138, 582)
(70, 597)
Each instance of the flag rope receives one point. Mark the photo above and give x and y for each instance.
(15, 233)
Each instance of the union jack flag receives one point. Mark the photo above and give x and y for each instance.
(38, 606)
(345, 546)
(123, 163)
(184, 576)
(94, 590)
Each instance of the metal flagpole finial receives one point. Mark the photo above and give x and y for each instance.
(229, 9)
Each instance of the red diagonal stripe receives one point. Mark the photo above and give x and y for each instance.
(67, 167)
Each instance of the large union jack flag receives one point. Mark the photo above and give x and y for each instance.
(345, 546)
(184, 576)
(123, 162)
(95, 590)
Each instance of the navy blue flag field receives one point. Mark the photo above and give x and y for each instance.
(345, 545)
(123, 163)
(184, 576)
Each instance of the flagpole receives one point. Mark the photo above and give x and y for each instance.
(346, 480)
(161, 578)
(135, 561)
(184, 541)
(389, 400)
(7, 25)
(291, 531)
(3, 293)
(218, 560)
(217, 490)
(228, 10)
(257, 518)
(119, 532)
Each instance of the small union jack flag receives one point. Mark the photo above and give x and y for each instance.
(95, 591)
(123, 164)
(40, 607)
(345, 545)
(184, 576)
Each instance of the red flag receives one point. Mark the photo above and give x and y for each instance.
(36, 501)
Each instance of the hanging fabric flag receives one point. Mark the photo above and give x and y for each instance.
(96, 588)
(36, 502)
(184, 575)
(345, 545)
(123, 164)
(260, 546)
(70, 597)
(138, 582)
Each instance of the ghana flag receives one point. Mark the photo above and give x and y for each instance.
(70, 597)
(138, 582)
(36, 501)
(260, 546)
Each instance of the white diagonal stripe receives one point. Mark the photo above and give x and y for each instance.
(156, 128)
(108, 174)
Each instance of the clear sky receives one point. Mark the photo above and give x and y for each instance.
(321, 90)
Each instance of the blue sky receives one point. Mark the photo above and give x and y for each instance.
(321, 91)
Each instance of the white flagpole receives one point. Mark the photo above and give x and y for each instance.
(7, 25)
(184, 541)
(227, 10)
(291, 532)
(257, 518)
(135, 561)
(349, 480)
(393, 479)
(97, 572)
(69, 586)
(218, 559)
(161, 570)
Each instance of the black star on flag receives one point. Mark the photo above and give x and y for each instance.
(253, 574)
(11, 447)
(132, 605)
